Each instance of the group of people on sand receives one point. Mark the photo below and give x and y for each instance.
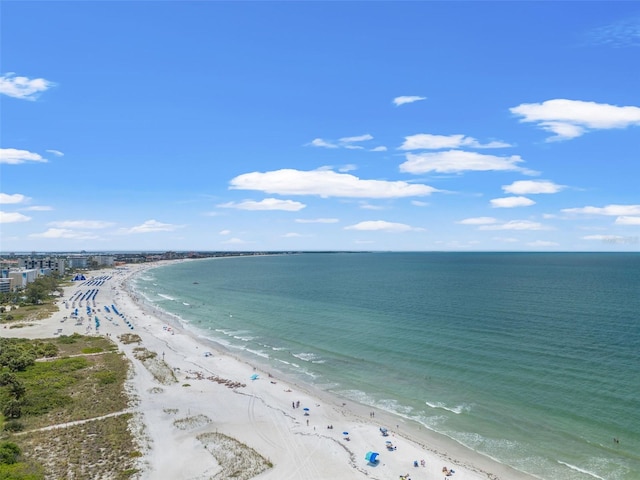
(447, 472)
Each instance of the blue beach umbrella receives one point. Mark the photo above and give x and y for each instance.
(371, 457)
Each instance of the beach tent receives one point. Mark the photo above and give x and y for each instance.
(371, 457)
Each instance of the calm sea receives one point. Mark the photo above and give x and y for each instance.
(530, 358)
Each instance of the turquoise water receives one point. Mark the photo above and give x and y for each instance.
(530, 358)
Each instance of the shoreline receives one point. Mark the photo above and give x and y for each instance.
(260, 414)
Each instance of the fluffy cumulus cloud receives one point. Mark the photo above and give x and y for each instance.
(382, 226)
(266, 204)
(403, 100)
(65, 233)
(13, 156)
(15, 198)
(531, 187)
(23, 87)
(151, 226)
(568, 119)
(326, 183)
(13, 217)
(456, 161)
(611, 210)
(511, 202)
(427, 141)
(87, 224)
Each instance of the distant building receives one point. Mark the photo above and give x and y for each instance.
(21, 278)
(104, 260)
(54, 264)
(5, 285)
(78, 261)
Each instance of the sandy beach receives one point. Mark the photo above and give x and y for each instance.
(204, 413)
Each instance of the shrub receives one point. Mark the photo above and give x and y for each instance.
(13, 426)
(9, 453)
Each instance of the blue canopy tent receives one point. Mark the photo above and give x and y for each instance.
(371, 457)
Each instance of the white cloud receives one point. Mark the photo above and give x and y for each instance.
(572, 118)
(347, 168)
(530, 187)
(326, 183)
(88, 224)
(359, 138)
(514, 225)
(266, 204)
(605, 238)
(627, 220)
(13, 156)
(57, 153)
(13, 217)
(407, 99)
(368, 206)
(478, 221)
(318, 142)
(511, 202)
(427, 141)
(65, 233)
(38, 208)
(418, 203)
(380, 148)
(292, 235)
(224, 232)
(453, 161)
(23, 87)
(344, 142)
(382, 226)
(317, 220)
(151, 226)
(6, 199)
(613, 210)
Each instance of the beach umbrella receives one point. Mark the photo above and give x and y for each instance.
(305, 409)
(371, 457)
(345, 433)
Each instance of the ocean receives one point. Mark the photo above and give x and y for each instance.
(532, 359)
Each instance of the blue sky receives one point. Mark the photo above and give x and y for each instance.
(320, 126)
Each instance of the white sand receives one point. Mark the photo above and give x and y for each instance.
(259, 415)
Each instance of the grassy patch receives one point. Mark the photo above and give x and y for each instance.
(237, 460)
(70, 387)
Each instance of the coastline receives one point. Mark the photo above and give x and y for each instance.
(176, 417)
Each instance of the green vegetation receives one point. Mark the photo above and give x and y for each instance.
(33, 302)
(52, 382)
